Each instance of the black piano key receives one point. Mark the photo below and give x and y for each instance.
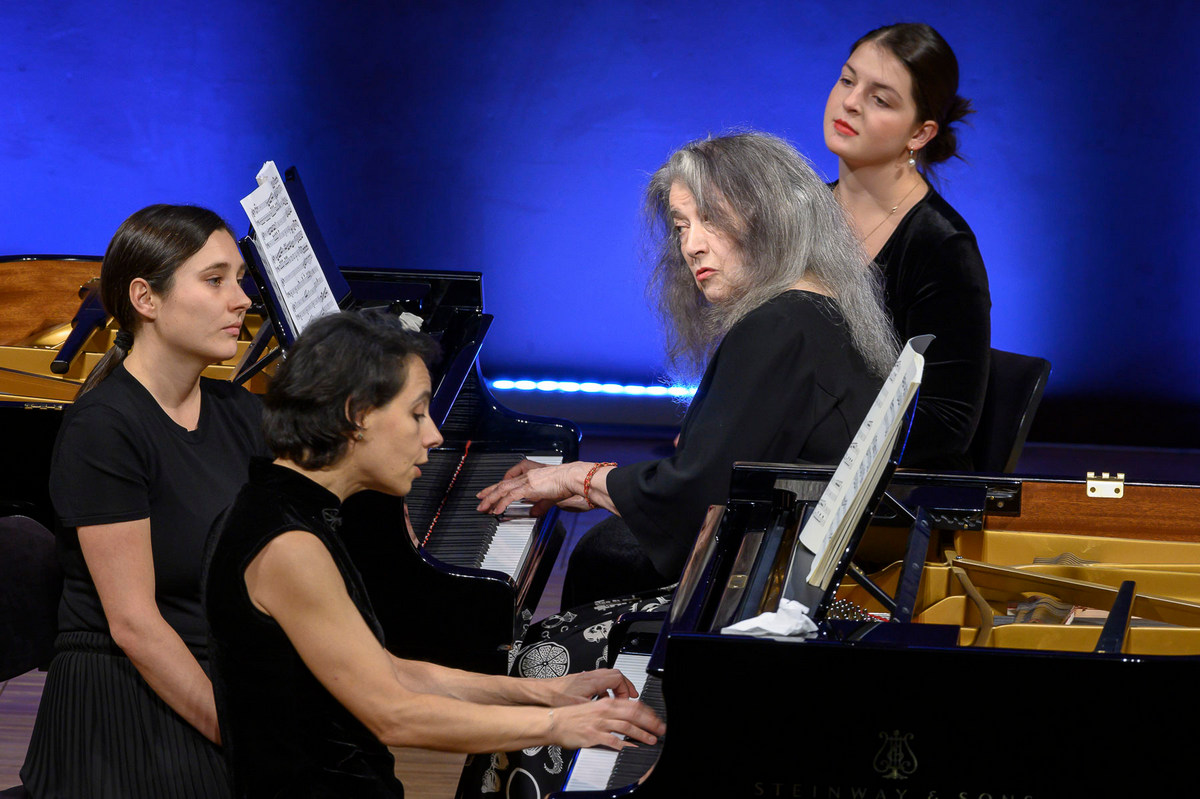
(633, 762)
(444, 498)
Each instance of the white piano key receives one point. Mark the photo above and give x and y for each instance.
(593, 767)
(509, 546)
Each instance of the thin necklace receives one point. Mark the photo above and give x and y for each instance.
(889, 213)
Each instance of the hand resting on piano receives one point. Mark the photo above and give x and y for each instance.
(577, 486)
(596, 723)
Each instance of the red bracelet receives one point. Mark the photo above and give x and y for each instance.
(587, 482)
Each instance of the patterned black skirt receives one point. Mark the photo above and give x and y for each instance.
(566, 643)
(102, 732)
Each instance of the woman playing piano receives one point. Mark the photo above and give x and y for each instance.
(890, 119)
(308, 697)
(146, 458)
(758, 274)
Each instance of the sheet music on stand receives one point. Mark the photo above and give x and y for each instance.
(296, 279)
(821, 549)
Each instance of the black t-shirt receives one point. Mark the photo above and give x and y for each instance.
(785, 385)
(120, 458)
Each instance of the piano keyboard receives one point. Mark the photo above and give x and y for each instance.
(603, 769)
(460, 535)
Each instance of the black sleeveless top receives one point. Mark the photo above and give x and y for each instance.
(283, 733)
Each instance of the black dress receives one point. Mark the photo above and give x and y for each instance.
(935, 282)
(785, 385)
(101, 731)
(284, 734)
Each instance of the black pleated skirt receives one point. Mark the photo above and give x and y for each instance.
(101, 732)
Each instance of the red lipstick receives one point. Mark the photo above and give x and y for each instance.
(841, 127)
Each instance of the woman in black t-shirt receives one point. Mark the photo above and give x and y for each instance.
(147, 457)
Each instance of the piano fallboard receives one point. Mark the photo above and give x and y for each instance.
(830, 718)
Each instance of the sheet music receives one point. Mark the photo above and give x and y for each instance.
(291, 265)
(844, 499)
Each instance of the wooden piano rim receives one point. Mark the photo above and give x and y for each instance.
(34, 298)
(1155, 511)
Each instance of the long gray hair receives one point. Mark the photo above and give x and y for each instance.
(763, 195)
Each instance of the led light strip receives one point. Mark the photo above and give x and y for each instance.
(570, 387)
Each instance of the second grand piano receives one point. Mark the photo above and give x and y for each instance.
(461, 600)
(987, 692)
(452, 603)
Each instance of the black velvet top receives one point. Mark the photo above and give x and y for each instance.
(785, 385)
(283, 733)
(935, 283)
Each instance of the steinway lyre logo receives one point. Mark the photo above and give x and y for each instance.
(895, 759)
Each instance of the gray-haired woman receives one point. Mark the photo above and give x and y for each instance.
(758, 276)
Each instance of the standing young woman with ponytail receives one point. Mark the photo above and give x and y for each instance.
(147, 457)
(889, 120)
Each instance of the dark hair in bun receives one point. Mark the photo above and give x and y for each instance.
(934, 71)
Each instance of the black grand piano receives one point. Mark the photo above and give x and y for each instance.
(992, 636)
(475, 578)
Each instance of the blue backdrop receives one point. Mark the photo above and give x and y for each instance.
(514, 138)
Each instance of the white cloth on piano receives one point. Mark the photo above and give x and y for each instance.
(791, 619)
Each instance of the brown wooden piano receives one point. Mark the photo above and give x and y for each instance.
(38, 298)
(456, 602)
(969, 683)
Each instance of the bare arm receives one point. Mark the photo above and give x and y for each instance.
(121, 563)
(294, 580)
(488, 689)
